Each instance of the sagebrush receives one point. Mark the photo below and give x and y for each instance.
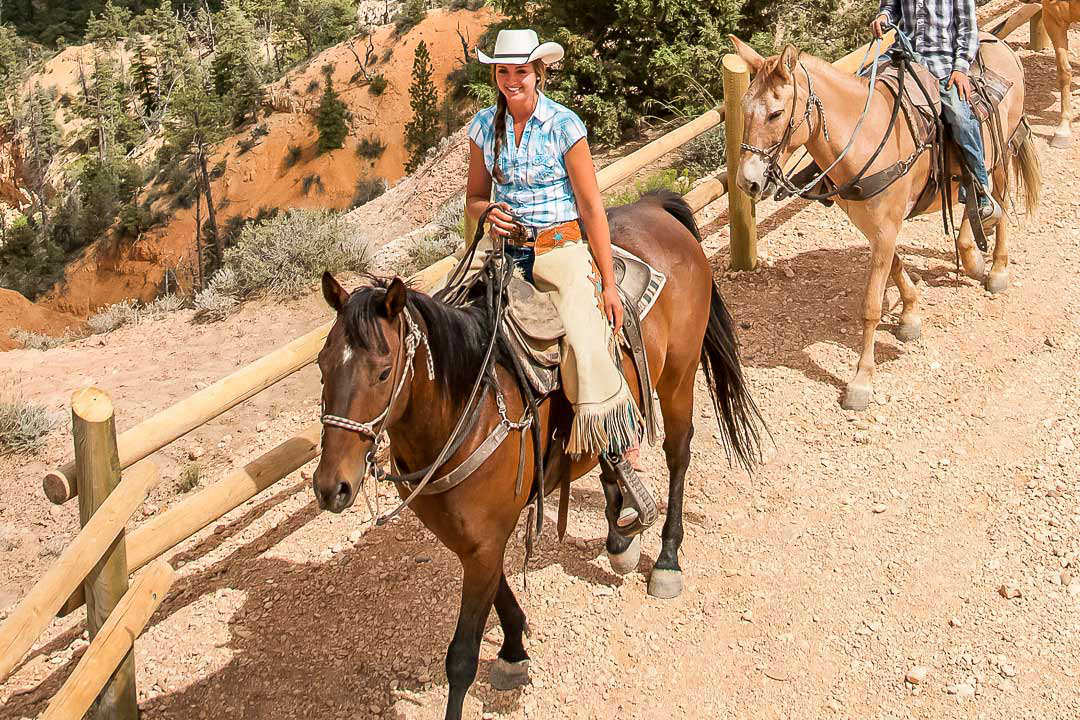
(38, 341)
(23, 424)
(428, 250)
(284, 256)
(670, 179)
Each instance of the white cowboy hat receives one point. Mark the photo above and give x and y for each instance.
(521, 47)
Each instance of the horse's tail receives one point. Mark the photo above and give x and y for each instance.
(738, 416)
(736, 412)
(1027, 171)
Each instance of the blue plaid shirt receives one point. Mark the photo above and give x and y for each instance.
(537, 187)
(943, 32)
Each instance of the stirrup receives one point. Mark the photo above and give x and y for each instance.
(639, 510)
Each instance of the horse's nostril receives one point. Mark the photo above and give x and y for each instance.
(343, 490)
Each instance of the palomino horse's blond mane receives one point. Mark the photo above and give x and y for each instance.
(782, 86)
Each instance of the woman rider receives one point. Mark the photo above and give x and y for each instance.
(549, 211)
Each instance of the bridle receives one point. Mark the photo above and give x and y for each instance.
(774, 173)
(410, 338)
(771, 154)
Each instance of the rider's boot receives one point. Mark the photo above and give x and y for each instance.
(639, 510)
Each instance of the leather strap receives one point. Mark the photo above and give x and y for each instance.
(476, 458)
(564, 500)
(632, 331)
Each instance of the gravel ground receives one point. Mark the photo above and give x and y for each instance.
(917, 560)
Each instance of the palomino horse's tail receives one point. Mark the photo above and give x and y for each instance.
(736, 413)
(1027, 172)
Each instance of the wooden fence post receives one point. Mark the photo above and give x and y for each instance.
(98, 466)
(1037, 31)
(112, 644)
(740, 207)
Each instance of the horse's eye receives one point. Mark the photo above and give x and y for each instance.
(775, 115)
(385, 374)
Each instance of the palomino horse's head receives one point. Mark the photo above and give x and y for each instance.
(362, 364)
(773, 111)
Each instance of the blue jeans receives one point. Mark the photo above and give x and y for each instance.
(965, 129)
(523, 258)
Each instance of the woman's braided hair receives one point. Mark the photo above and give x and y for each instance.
(500, 115)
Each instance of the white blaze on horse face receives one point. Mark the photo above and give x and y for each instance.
(346, 355)
(752, 175)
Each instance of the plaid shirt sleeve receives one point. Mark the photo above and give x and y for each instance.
(568, 131)
(967, 35)
(891, 10)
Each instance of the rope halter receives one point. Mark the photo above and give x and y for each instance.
(413, 338)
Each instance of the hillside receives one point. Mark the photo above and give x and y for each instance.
(259, 178)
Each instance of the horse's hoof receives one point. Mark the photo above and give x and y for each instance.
(911, 330)
(509, 675)
(977, 271)
(665, 584)
(626, 561)
(1061, 141)
(857, 397)
(997, 281)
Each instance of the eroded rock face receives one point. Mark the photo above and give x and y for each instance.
(372, 13)
(18, 312)
(12, 193)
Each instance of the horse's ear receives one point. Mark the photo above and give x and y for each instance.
(789, 59)
(394, 300)
(332, 291)
(747, 53)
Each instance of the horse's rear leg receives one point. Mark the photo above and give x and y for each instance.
(511, 667)
(910, 327)
(1059, 36)
(997, 279)
(480, 583)
(666, 579)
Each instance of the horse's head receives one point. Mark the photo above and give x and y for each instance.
(772, 108)
(361, 364)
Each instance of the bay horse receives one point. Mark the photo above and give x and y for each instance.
(1057, 16)
(829, 97)
(367, 358)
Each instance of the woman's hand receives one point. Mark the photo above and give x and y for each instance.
(500, 219)
(613, 308)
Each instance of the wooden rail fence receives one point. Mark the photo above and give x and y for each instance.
(94, 568)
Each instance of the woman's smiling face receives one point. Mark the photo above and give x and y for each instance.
(517, 83)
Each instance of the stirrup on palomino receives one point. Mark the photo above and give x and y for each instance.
(639, 510)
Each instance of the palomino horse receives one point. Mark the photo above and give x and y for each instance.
(384, 334)
(1057, 16)
(794, 95)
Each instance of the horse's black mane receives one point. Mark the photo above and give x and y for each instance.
(458, 337)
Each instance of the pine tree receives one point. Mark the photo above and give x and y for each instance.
(145, 77)
(422, 132)
(332, 120)
(110, 26)
(235, 67)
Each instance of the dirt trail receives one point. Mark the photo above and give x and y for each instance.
(870, 543)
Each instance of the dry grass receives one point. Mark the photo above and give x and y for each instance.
(114, 317)
(37, 341)
(189, 478)
(23, 424)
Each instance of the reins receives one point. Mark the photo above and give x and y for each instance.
(785, 182)
(410, 338)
